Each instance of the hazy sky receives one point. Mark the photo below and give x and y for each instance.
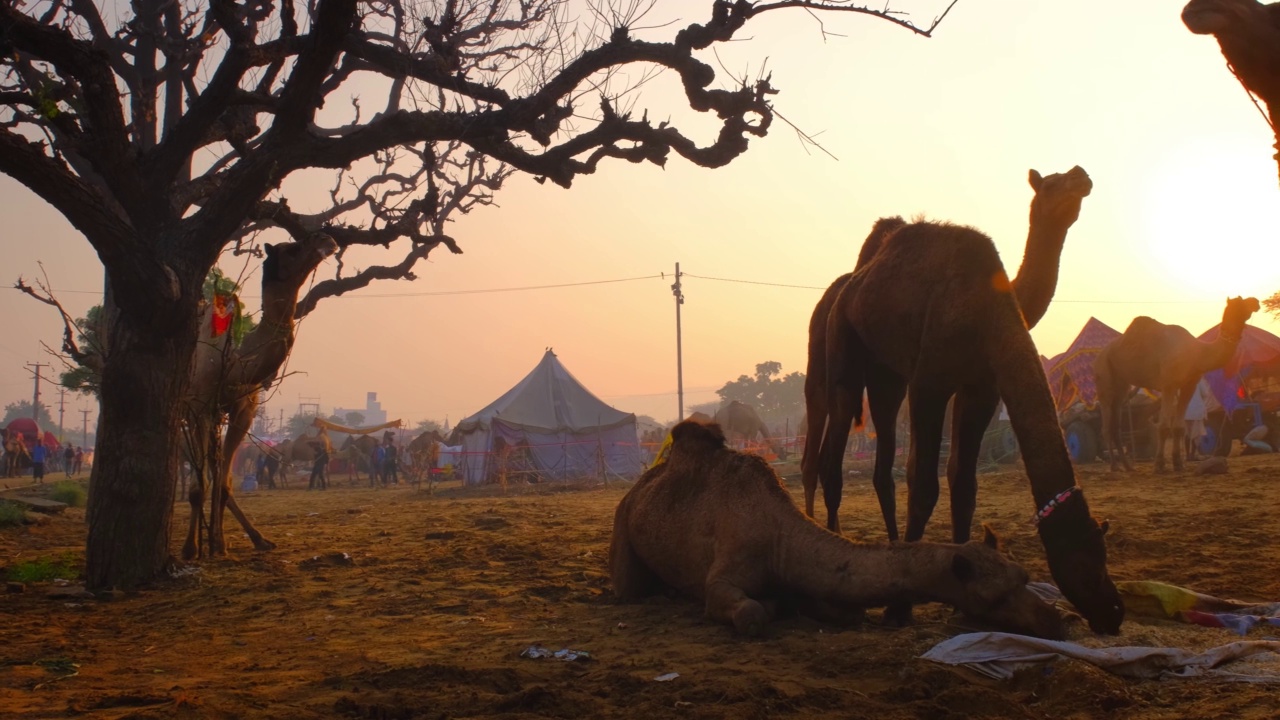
(1184, 212)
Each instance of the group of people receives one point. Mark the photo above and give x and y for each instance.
(42, 455)
(384, 463)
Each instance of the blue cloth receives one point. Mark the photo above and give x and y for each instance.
(38, 454)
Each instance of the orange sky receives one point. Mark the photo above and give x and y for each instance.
(1183, 213)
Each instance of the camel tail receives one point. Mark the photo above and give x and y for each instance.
(1032, 413)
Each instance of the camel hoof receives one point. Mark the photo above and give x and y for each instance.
(750, 618)
(263, 545)
(897, 615)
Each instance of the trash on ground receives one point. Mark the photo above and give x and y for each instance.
(537, 652)
(667, 677)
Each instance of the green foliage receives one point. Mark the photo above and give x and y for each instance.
(44, 569)
(68, 491)
(81, 378)
(299, 424)
(773, 397)
(10, 514)
(217, 283)
(22, 409)
(424, 426)
(353, 419)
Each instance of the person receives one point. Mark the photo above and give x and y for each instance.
(1197, 411)
(319, 469)
(375, 469)
(68, 459)
(79, 459)
(390, 464)
(270, 466)
(38, 455)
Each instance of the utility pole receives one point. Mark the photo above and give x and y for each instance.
(84, 440)
(35, 397)
(676, 290)
(62, 407)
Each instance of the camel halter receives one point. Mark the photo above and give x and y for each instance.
(1050, 506)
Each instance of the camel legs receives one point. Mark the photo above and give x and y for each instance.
(238, 423)
(631, 578)
(971, 415)
(816, 419)
(728, 602)
(831, 470)
(885, 392)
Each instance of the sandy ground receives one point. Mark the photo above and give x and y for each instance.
(441, 593)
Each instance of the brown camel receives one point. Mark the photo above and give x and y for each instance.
(740, 419)
(1248, 32)
(1167, 359)
(718, 525)
(1055, 207)
(357, 450)
(229, 380)
(934, 310)
(16, 455)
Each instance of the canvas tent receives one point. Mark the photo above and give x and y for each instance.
(553, 426)
(1070, 374)
(1257, 358)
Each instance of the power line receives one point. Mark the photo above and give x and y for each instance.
(753, 282)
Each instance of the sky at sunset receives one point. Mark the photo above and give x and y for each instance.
(1185, 211)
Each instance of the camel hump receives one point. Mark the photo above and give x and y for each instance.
(692, 431)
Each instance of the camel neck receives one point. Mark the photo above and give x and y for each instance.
(825, 566)
(1217, 353)
(1037, 277)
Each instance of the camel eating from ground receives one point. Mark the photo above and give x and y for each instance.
(934, 309)
(229, 380)
(718, 525)
(1055, 207)
(16, 455)
(1167, 359)
(1248, 33)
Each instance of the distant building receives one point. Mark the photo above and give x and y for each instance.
(372, 411)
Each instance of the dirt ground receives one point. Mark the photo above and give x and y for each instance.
(441, 593)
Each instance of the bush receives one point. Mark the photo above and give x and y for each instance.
(10, 513)
(68, 491)
(43, 570)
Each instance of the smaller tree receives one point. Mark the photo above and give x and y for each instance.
(299, 424)
(426, 426)
(774, 398)
(22, 409)
(354, 419)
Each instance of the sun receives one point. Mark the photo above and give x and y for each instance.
(1212, 219)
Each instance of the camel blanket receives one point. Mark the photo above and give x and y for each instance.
(1147, 598)
(1000, 655)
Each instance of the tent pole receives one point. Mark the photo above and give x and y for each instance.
(676, 290)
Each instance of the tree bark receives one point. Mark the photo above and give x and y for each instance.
(138, 451)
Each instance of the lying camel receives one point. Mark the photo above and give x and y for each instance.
(718, 525)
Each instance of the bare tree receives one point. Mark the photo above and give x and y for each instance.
(174, 131)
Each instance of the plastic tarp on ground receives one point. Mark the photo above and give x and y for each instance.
(556, 425)
(1258, 352)
(1070, 374)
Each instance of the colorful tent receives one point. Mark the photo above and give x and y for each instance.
(1257, 353)
(552, 425)
(1070, 374)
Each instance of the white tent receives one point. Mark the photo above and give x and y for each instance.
(552, 426)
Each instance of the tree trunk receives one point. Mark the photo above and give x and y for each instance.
(138, 453)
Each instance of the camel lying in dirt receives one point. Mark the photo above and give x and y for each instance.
(718, 525)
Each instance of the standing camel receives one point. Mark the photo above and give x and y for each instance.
(16, 455)
(228, 380)
(1055, 207)
(1167, 359)
(935, 311)
(739, 418)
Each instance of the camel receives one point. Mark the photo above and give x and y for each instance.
(934, 310)
(1055, 207)
(718, 525)
(229, 380)
(739, 418)
(16, 455)
(357, 450)
(1165, 358)
(1248, 33)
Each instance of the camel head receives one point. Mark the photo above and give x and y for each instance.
(1223, 17)
(1237, 314)
(704, 434)
(994, 590)
(1075, 546)
(1058, 197)
(287, 265)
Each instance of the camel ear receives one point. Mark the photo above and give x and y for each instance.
(1034, 178)
(989, 537)
(962, 568)
(1104, 526)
